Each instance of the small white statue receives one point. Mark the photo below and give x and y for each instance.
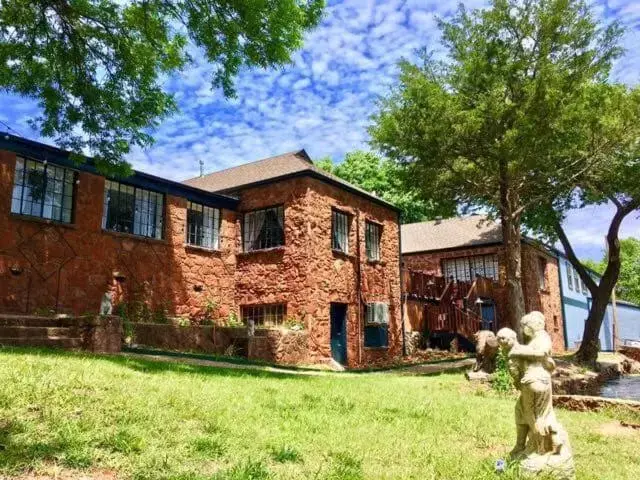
(106, 304)
(542, 445)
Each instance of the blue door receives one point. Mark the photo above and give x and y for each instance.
(488, 311)
(339, 332)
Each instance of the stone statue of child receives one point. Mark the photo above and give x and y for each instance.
(541, 441)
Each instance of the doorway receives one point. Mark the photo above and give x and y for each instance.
(338, 317)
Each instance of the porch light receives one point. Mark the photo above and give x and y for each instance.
(478, 301)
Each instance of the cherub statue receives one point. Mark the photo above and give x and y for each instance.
(542, 444)
(486, 351)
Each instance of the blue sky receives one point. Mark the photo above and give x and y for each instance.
(323, 100)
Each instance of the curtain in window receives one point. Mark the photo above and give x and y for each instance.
(253, 225)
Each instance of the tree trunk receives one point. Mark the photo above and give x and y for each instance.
(600, 292)
(513, 255)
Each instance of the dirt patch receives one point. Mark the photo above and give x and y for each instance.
(619, 429)
(64, 474)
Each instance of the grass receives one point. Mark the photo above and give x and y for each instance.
(160, 420)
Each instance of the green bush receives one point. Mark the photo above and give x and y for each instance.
(502, 381)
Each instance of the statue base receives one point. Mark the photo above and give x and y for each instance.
(557, 466)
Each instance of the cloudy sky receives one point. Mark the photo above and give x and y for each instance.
(323, 100)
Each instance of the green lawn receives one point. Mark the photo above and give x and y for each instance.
(162, 420)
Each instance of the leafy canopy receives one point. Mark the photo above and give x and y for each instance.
(504, 120)
(96, 66)
(387, 179)
(628, 286)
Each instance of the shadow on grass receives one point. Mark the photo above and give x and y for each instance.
(156, 366)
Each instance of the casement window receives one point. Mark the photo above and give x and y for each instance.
(263, 229)
(133, 210)
(264, 315)
(585, 290)
(340, 231)
(576, 279)
(468, 268)
(43, 190)
(569, 276)
(372, 240)
(203, 226)
(376, 325)
(542, 273)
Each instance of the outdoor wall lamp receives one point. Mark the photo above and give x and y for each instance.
(16, 270)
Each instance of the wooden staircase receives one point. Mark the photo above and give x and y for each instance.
(449, 306)
(30, 331)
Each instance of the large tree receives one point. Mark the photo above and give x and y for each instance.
(502, 113)
(96, 66)
(386, 179)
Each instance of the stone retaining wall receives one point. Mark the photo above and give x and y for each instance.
(585, 403)
(631, 352)
(281, 346)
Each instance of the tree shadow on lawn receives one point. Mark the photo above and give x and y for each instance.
(157, 366)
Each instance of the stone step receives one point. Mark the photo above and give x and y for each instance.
(37, 332)
(33, 321)
(56, 342)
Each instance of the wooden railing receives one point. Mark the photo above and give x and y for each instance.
(423, 286)
(451, 318)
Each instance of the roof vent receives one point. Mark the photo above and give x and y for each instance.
(438, 220)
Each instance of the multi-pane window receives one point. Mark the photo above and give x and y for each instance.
(542, 273)
(43, 190)
(585, 291)
(376, 325)
(264, 315)
(129, 209)
(468, 268)
(569, 275)
(263, 228)
(372, 240)
(203, 226)
(340, 231)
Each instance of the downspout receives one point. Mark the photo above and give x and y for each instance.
(359, 287)
(402, 293)
(564, 313)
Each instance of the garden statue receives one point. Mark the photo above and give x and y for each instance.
(486, 351)
(542, 445)
(106, 304)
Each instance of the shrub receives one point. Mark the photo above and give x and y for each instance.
(502, 381)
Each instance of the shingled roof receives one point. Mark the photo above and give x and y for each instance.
(272, 169)
(472, 231)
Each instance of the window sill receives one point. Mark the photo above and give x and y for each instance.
(198, 248)
(279, 249)
(376, 262)
(46, 221)
(135, 237)
(340, 253)
(377, 348)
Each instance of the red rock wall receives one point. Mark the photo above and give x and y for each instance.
(67, 268)
(547, 301)
(307, 275)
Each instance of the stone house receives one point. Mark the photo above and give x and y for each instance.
(274, 243)
(465, 248)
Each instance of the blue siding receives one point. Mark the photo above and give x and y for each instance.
(576, 305)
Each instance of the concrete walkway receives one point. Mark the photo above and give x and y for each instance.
(423, 369)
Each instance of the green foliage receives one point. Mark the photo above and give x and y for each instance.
(294, 323)
(233, 320)
(97, 66)
(628, 286)
(501, 380)
(286, 453)
(386, 179)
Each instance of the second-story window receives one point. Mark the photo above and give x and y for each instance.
(129, 209)
(569, 275)
(203, 226)
(542, 273)
(263, 229)
(340, 231)
(372, 241)
(43, 190)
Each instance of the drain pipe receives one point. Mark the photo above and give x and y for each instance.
(402, 293)
(359, 288)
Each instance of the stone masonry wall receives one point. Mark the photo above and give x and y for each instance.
(548, 301)
(67, 268)
(307, 275)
